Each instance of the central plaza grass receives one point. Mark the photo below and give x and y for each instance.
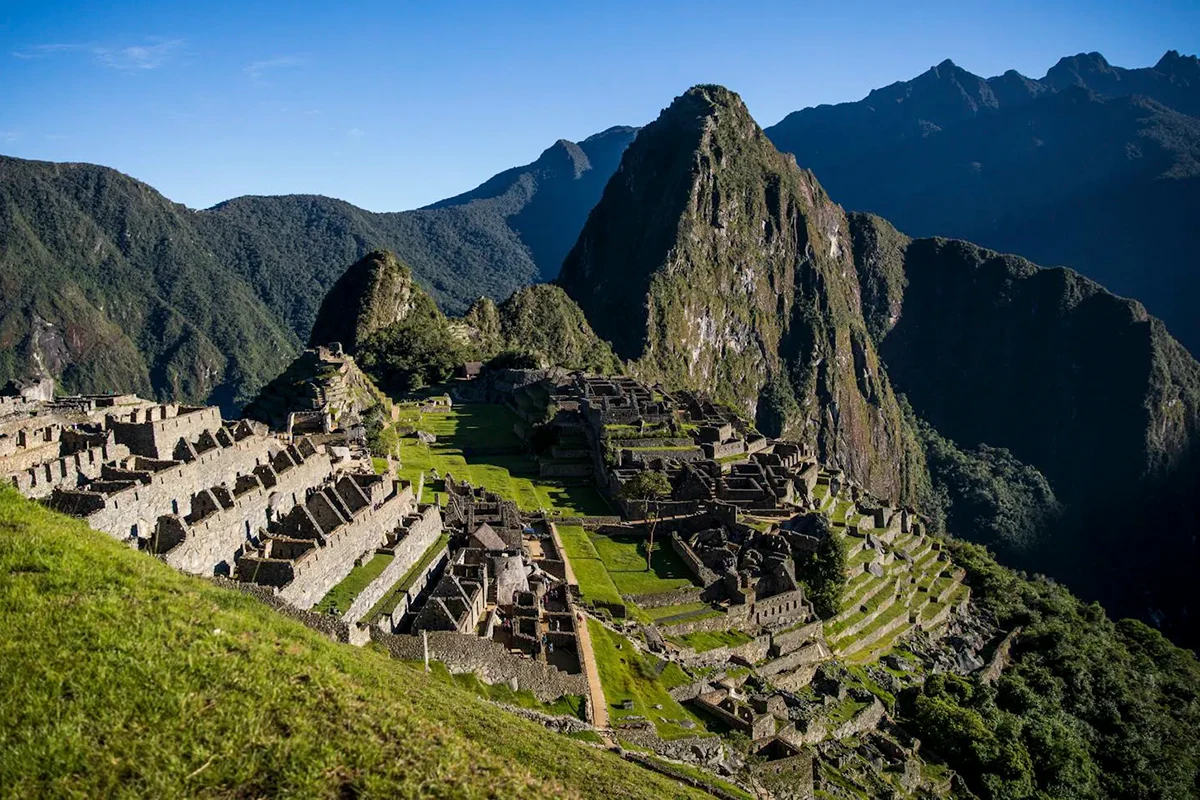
(478, 443)
(625, 559)
(120, 677)
(628, 674)
(595, 585)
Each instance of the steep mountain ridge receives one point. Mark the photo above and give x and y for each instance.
(1035, 167)
(108, 285)
(713, 262)
(1081, 384)
(375, 292)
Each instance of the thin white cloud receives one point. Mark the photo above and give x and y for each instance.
(46, 50)
(8, 137)
(139, 57)
(130, 58)
(354, 134)
(257, 69)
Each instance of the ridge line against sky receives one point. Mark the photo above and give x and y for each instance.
(393, 106)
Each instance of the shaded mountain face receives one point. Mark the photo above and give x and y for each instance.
(546, 202)
(1081, 384)
(107, 285)
(713, 262)
(1093, 166)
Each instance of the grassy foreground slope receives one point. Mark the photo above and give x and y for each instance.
(119, 676)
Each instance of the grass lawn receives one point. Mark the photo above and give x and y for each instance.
(701, 641)
(627, 674)
(625, 559)
(507, 470)
(128, 679)
(595, 585)
(342, 595)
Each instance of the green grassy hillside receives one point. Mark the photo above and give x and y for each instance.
(121, 677)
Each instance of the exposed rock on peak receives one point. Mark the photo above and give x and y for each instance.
(376, 292)
(713, 262)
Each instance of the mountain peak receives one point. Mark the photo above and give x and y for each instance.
(564, 155)
(1173, 62)
(1070, 70)
(375, 292)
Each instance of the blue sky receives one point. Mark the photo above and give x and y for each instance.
(398, 104)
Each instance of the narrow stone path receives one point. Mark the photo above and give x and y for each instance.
(597, 705)
(596, 702)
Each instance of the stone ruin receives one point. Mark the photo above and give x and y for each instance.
(210, 496)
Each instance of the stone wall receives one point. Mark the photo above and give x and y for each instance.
(780, 609)
(676, 597)
(322, 568)
(390, 623)
(818, 731)
(790, 641)
(703, 574)
(808, 654)
(325, 624)
(154, 432)
(217, 539)
(660, 442)
(557, 469)
(748, 653)
(419, 534)
(67, 472)
(489, 660)
(170, 490)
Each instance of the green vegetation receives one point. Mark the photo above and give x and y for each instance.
(477, 443)
(417, 350)
(704, 777)
(627, 674)
(1087, 707)
(625, 559)
(825, 573)
(544, 322)
(130, 679)
(702, 641)
(670, 611)
(595, 585)
(992, 498)
(340, 597)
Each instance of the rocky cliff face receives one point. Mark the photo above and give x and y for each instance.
(713, 262)
(1081, 384)
(376, 292)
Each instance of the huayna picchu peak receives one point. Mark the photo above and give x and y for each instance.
(841, 459)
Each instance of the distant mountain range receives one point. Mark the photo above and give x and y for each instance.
(1094, 167)
(106, 284)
